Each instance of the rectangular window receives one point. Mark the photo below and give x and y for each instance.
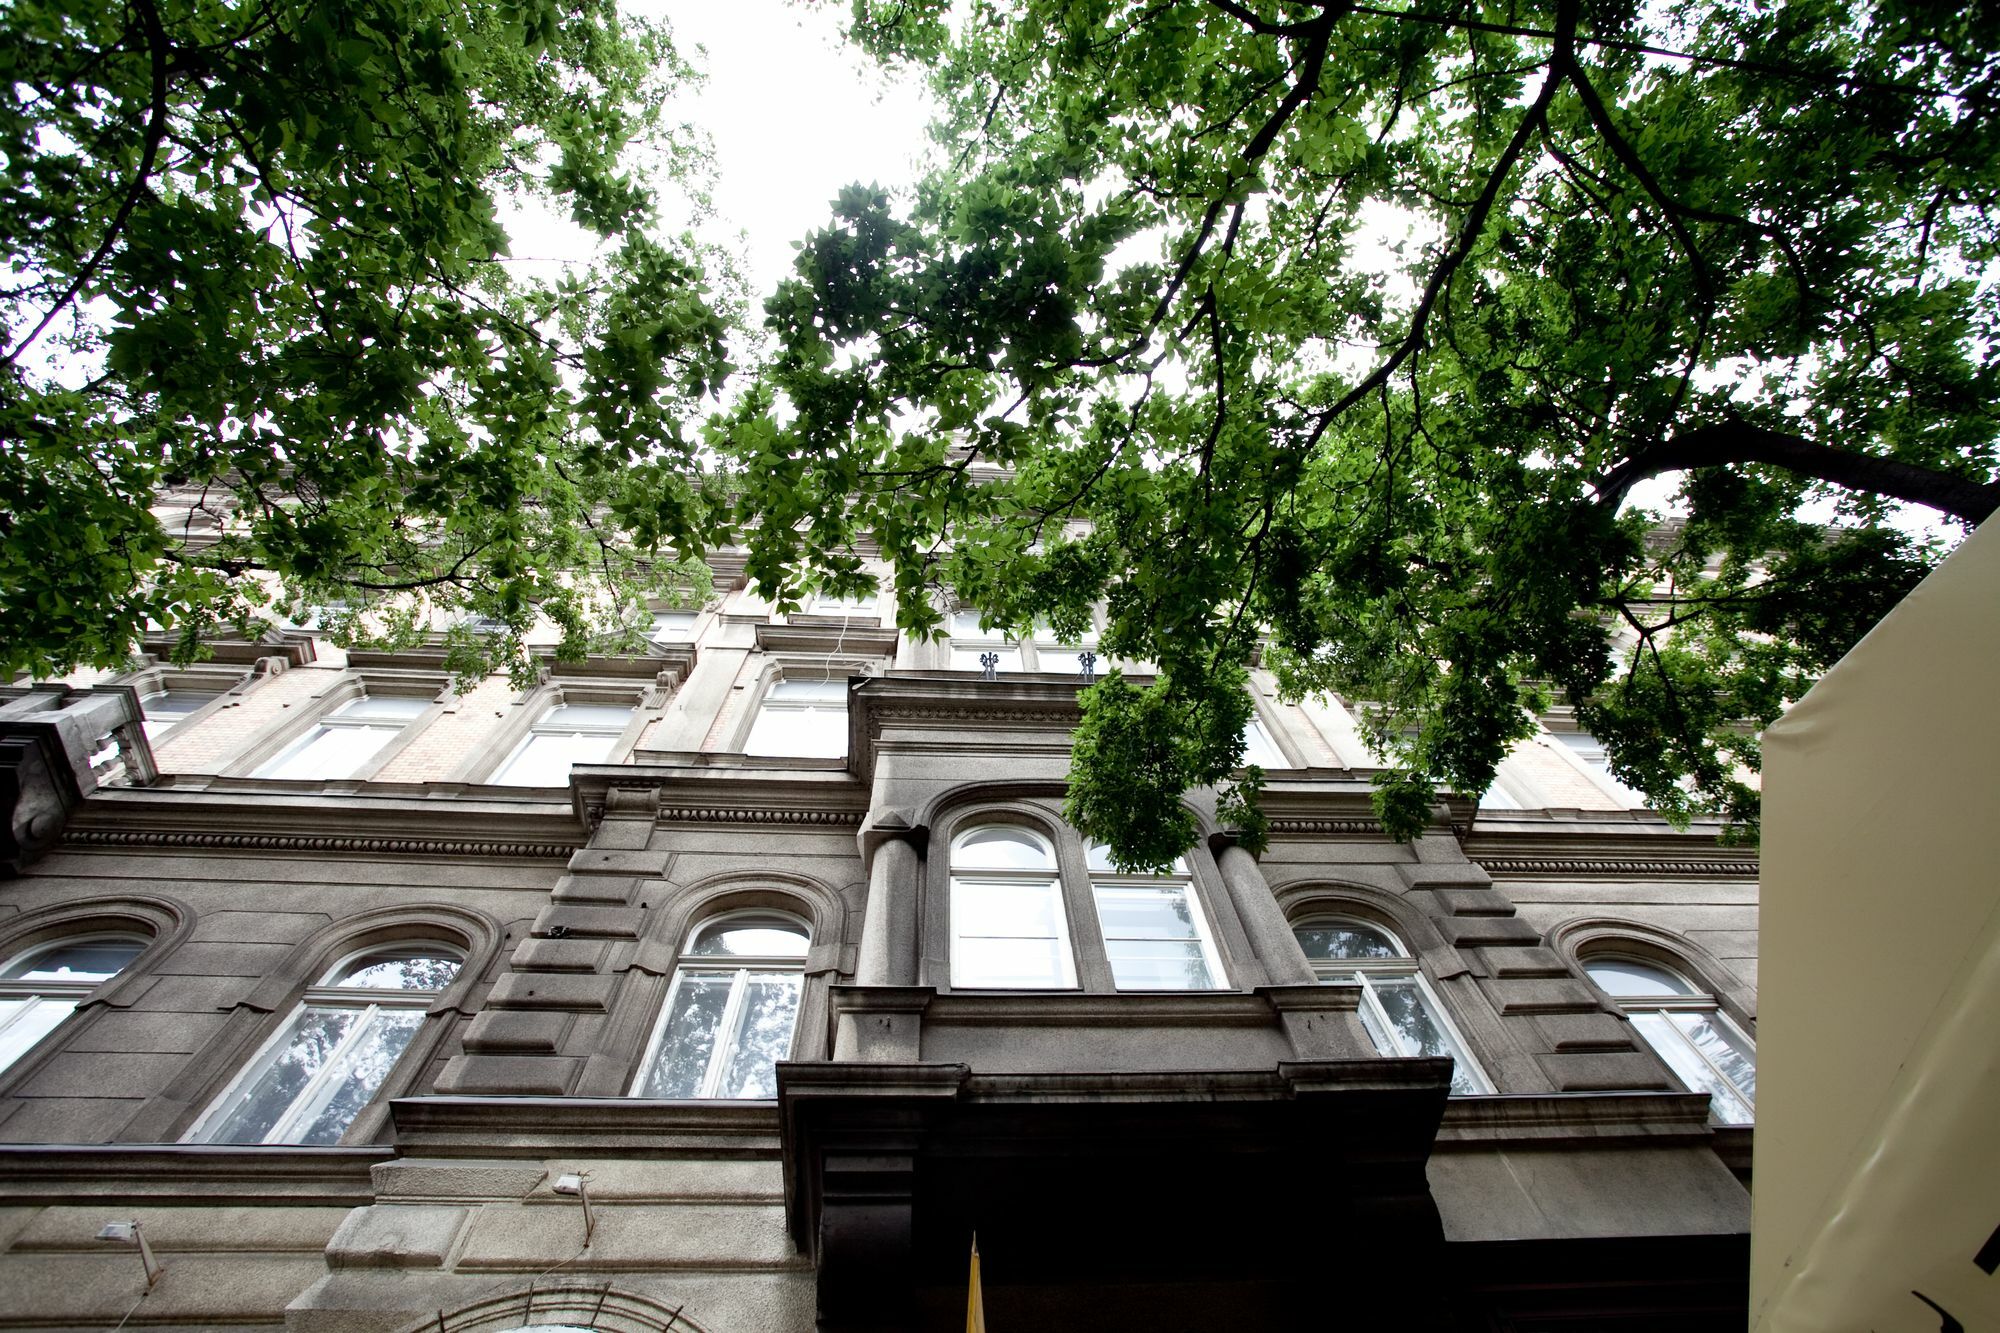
(169, 708)
(674, 626)
(1154, 933)
(1260, 749)
(340, 743)
(566, 735)
(802, 719)
(1009, 934)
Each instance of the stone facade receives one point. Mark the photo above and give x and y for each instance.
(1234, 1155)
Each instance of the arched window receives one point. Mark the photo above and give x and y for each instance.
(730, 1011)
(1008, 927)
(44, 985)
(1154, 932)
(1401, 1014)
(317, 1073)
(1683, 1025)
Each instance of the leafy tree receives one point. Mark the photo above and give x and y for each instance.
(254, 264)
(1356, 325)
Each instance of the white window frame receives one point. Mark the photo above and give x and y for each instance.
(544, 726)
(661, 634)
(66, 994)
(772, 703)
(1043, 652)
(1180, 879)
(320, 1088)
(740, 966)
(335, 719)
(1700, 1000)
(1374, 1017)
(1049, 879)
(860, 606)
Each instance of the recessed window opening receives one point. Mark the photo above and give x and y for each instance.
(730, 1011)
(42, 986)
(339, 744)
(564, 736)
(1687, 1029)
(1398, 1009)
(801, 717)
(164, 710)
(1008, 927)
(324, 1066)
(1155, 934)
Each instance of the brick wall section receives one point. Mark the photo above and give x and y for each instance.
(214, 742)
(467, 726)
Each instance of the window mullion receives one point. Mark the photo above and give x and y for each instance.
(1390, 1033)
(732, 1013)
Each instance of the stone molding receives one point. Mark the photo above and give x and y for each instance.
(283, 842)
(539, 1127)
(1586, 867)
(1474, 1124)
(163, 1173)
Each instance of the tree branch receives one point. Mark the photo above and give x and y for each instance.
(1722, 443)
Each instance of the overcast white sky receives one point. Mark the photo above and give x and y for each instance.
(794, 114)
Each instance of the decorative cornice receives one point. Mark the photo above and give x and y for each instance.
(1300, 827)
(289, 842)
(1526, 867)
(723, 814)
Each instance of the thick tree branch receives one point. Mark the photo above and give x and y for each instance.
(1726, 442)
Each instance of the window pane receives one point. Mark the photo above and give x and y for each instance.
(796, 690)
(1005, 908)
(816, 731)
(693, 1017)
(1625, 978)
(305, 1049)
(1706, 1034)
(751, 937)
(161, 712)
(395, 969)
(1694, 1072)
(1010, 964)
(763, 1035)
(382, 708)
(544, 760)
(585, 717)
(1158, 965)
(1098, 857)
(1417, 1029)
(76, 961)
(1346, 941)
(965, 625)
(342, 1091)
(966, 658)
(1001, 849)
(673, 626)
(1260, 749)
(329, 752)
(1131, 913)
(25, 1021)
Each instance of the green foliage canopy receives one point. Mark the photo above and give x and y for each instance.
(1354, 326)
(254, 268)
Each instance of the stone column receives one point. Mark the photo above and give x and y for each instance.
(888, 955)
(1265, 925)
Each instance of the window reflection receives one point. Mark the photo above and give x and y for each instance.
(724, 1028)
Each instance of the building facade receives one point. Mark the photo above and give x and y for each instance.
(736, 983)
